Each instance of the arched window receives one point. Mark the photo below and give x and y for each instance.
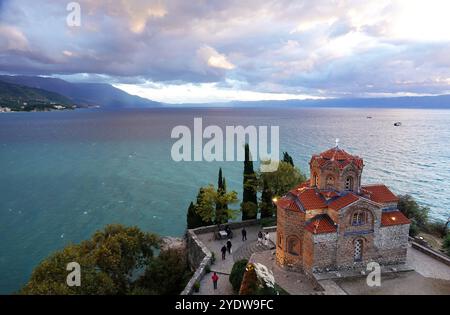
(358, 250)
(349, 183)
(330, 182)
(316, 180)
(293, 245)
(280, 240)
(359, 218)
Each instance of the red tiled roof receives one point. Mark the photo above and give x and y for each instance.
(310, 198)
(321, 223)
(288, 204)
(343, 201)
(329, 194)
(339, 156)
(379, 193)
(393, 218)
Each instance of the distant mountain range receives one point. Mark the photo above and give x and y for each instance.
(107, 96)
(22, 98)
(83, 94)
(433, 102)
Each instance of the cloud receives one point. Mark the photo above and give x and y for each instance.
(317, 48)
(213, 59)
(12, 39)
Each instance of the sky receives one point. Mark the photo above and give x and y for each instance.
(203, 51)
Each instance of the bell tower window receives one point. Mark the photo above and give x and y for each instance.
(349, 183)
(330, 182)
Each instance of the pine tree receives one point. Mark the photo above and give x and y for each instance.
(267, 207)
(249, 206)
(287, 158)
(193, 219)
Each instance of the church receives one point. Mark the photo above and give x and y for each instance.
(333, 222)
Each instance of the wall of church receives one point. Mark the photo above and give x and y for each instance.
(290, 228)
(325, 248)
(393, 244)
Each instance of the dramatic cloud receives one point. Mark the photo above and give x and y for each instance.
(274, 49)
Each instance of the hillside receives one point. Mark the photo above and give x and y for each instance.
(23, 98)
(84, 94)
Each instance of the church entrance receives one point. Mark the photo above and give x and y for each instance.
(357, 255)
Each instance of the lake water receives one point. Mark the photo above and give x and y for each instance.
(66, 174)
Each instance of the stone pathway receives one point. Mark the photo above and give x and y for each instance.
(240, 250)
(246, 250)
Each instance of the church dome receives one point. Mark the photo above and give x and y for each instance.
(339, 156)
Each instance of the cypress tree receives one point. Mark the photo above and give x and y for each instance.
(220, 208)
(249, 206)
(267, 207)
(287, 158)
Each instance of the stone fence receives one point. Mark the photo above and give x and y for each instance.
(430, 252)
(199, 256)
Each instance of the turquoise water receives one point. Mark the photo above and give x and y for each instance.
(66, 174)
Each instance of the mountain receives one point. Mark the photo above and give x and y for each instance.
(435, 102)
(83, 94)
(22, 98)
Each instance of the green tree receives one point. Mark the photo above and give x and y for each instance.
(194, 220)
(249, 198)
(413, 211)
(285, 178)
(210, 198)
(237, 274)
(446, 244)
(167, 274)
(266, 205)
(109, 262)
(287, 158)
(221, 209)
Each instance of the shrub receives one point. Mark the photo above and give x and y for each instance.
(237, 273)
(207, 269)
(446, 244)
(197, 286)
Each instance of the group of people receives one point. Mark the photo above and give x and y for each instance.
(226, 248)
(263, 238)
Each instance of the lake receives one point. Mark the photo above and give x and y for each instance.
(66, 174)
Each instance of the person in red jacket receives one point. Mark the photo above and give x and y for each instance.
(215, 278)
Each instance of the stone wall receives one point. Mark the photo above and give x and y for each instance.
(290, 226)
(325, 247)
(393, 244)
(199, 256)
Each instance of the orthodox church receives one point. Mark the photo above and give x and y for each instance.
(333, 222)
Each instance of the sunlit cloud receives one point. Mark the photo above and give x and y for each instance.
(276, 49)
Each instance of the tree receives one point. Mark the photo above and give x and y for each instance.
(167, 274)
(413, 211)
(237, 274)
(109, 262)
(194, 220)
(249, 198)
(287, 158)
(266, 206)
(285, 178)
(446, 244)
(210, 198)
(221, 209)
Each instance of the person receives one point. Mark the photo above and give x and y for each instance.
(260, 236)
(229, 246)
(228, 230)
(266, 238)
(215, 278)
(224, 251)
(244, 234)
